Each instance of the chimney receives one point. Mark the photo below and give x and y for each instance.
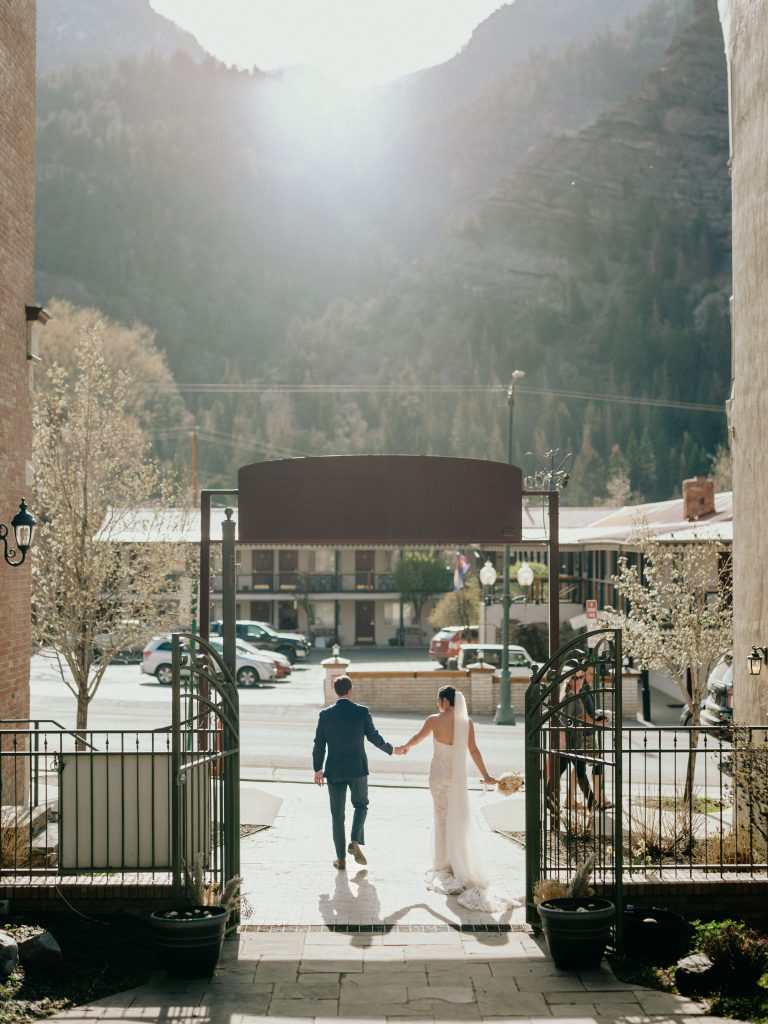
(698, 497)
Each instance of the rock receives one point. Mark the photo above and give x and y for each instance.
(40, 952)
(695, 975)
(9, 955)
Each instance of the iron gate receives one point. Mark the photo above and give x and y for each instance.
(573, 739)
(205, 764)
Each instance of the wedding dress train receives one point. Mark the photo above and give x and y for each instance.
(458, 867)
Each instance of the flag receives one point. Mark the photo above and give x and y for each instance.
(462, 565)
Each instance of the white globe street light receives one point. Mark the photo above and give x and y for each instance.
(525, 575)
(488, 575)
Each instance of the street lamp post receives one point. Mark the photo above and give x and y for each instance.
(505, 714)
(547, 481)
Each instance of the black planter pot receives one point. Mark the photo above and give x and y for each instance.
(658, 936)
(577, 937)
(190, 941)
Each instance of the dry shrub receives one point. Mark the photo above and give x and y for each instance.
(211, 894)
(659, 833)
(554, 889)
(14, 840)
(549, 889)
(578, 821)
(731, 848)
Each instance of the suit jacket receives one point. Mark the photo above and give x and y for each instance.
(342, 729)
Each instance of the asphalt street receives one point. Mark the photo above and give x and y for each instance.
(277, 722)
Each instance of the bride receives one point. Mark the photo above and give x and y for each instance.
(458, 868)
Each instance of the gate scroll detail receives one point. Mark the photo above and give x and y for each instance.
(573, 767)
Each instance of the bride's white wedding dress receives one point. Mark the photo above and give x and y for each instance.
(458, 867)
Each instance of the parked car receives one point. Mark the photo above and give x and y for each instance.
(283, 667)
(446, 642)
(120, 643)
(251, 666)
(521, 664)
(717, 706)
(265, 638)
(716, 709)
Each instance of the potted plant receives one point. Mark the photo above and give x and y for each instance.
(576, 924)
(190, 937)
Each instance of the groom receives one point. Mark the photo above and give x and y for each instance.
(342, 728)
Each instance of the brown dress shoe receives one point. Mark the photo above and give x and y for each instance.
(357, 853)
(340, 864)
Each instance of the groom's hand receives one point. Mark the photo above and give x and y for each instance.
(319, 778)
(401, 750)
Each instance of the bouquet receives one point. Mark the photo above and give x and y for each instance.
(509, 782)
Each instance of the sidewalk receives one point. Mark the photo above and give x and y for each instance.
(424, 961)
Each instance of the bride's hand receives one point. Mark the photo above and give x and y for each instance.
(489, 780)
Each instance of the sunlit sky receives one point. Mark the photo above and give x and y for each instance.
(358, 43)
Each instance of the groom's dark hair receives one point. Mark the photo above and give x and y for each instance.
(342, 685)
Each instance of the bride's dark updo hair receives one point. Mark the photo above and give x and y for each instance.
(447, 693)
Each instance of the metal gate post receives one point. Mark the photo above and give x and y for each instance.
(231, 766)
(532, 797)
(618, 787)
(176, 776)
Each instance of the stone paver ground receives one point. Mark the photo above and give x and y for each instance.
(290, 876)
(308, 972)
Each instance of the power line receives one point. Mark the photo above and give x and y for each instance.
(400, 389)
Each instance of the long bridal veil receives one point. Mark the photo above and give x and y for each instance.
(467, 876)
(466, 863)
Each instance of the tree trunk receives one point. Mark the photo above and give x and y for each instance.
(690, 771)
(81, 722)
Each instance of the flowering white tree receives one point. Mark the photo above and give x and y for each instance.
(94, 596)
(679, 617)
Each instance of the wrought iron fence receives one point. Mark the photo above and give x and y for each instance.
(123, 806)
(88, 802)
(693, 805)
(696, 801)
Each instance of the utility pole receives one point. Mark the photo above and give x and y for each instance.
(505, 713)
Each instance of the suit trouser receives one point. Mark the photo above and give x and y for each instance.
(337, 792)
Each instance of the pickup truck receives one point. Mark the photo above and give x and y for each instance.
(521, 664)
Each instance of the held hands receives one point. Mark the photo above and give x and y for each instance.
(319, 777)
(400, 751)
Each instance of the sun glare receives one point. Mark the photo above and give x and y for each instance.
(358, 43)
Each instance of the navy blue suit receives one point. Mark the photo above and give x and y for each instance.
(342, 730)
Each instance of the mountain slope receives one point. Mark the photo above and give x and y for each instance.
(208, 202)
(506, 38)
(100, 31)
(601, 263)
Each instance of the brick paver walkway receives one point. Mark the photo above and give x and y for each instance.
(309, 971)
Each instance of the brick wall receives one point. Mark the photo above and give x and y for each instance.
(417, 691)
(17, 228)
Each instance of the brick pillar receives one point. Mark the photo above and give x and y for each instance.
(333, 668)
(481, 700)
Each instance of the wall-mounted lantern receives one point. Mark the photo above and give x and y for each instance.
(37, 318)
(756, 659)
(23, 525)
